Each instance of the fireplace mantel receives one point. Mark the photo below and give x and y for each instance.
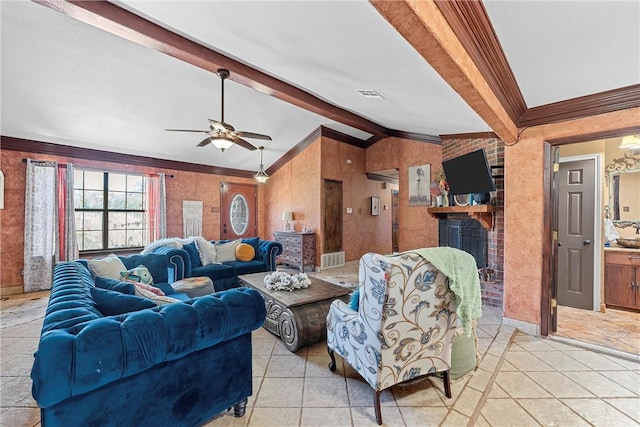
(482, 213)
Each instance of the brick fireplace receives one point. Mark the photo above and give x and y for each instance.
(492, 284)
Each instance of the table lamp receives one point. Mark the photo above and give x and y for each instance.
(286, 217)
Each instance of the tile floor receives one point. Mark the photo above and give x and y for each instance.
(521, 381)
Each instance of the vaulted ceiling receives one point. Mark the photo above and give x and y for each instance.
(113, 76)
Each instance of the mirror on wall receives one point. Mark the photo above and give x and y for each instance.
(623, 180)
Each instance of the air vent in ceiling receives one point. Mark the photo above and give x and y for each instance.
(370, 93)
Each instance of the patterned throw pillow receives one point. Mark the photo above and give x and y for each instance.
(245, 252)
(139, 274)
(158, 299)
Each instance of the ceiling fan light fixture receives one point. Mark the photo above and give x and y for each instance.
(221, 143)
(261, 176)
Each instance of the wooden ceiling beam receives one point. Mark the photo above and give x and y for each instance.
(116, 20)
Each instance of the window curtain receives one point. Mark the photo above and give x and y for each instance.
(68, 244)
(156, 207)
(41, 225)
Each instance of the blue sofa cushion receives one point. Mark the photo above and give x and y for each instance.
(112, 303)
(115, 285)
(214, 271)
(194, 255)
(246, 267)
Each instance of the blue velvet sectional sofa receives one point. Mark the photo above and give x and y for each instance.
(178, 364)
(225, 276)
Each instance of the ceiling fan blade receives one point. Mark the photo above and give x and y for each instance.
(187, 130)
(204, 142)
(244, 144)
(253, 135)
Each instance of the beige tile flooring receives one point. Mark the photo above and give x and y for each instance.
(521, 381)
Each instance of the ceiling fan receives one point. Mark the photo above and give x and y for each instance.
(222, 134)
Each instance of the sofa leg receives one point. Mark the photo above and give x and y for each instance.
(332, 364)
(447, 383)
(240, 408)
(376, 406)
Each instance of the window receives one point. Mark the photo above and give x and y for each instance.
(110, 210)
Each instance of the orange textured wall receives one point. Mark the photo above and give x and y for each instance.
(417, 228)
(295, 187)
(183, 186)
(524, 208)
(361, 231)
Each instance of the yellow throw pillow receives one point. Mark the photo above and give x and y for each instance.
(245, 252)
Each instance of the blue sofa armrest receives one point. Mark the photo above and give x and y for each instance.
(178, 260)
(76, 360)
(268, 250)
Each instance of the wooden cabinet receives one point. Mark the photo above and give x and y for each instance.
(622, 279)
(298, 249)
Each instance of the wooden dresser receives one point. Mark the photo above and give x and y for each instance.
(622, 279)
(298, 249)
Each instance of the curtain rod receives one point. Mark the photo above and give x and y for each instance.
(24, 160)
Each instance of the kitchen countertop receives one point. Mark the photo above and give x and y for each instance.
(618, 248)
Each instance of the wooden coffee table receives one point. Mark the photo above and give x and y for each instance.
(298, 317)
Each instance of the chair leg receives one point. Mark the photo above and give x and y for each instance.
(447, 383)
(332, 364)
(376, 406)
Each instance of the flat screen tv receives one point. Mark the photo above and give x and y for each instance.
(469, 173)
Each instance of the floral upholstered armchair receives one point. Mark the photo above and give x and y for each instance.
(404, 324)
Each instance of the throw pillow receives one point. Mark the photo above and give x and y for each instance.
(112, 303)
(109, 266)
(245, 252)
(139, 274)
(226, 252)
(207, 251)
(354, 302)
(194, 255)
(149, 288)
(158, 299)
(114, 285)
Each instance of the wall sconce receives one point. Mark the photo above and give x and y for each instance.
(630, 142)
(287, 217)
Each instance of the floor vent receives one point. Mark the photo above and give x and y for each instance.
(334, 259)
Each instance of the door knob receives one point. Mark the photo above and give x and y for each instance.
(559, 244)
(586, 242)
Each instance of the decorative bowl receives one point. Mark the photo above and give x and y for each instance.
(629, 243)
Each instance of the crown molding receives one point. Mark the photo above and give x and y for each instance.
(295, 150)
(470, 135)
(47, 148)
(584, 106)
(342, 137)
(594, 136)
(422, 137)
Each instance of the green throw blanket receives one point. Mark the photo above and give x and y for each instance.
(460, 268)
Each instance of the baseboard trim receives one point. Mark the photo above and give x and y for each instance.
(526, 327)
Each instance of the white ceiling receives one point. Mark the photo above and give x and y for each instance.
(66, 82)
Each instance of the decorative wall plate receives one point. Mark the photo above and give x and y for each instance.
(461, 199)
